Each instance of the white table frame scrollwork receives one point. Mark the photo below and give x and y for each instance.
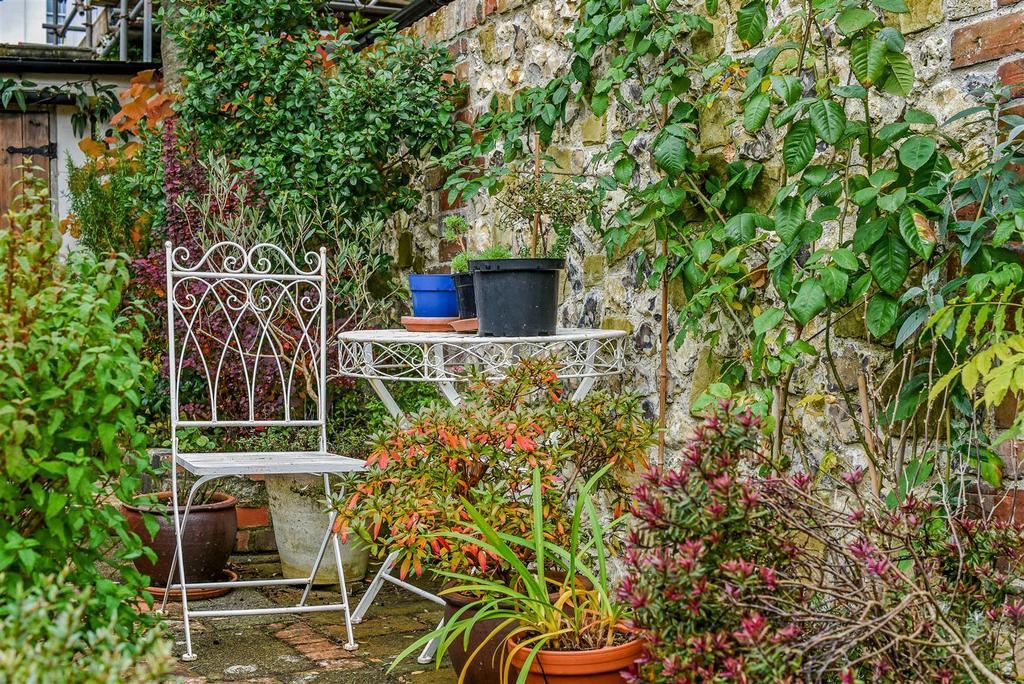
(446, 359)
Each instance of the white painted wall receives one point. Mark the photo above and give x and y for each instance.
(21, 21)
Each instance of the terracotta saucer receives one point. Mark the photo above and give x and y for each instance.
(194, 594)
(427, 324)
(465, 325)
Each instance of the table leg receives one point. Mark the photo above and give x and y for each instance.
(587, 383)
(385, 395)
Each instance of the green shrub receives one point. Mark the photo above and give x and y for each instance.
(279, 86)
(460, 262)
(69, 439)
(45, 637)
(105, 211)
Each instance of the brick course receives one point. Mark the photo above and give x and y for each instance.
(987, 40)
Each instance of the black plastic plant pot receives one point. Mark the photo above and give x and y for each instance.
(516, 297)
(466, 294)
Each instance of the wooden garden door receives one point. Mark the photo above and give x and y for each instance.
(22, 135)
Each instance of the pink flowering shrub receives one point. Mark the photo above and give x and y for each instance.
(768, 577)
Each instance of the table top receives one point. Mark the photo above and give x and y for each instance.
(403, 336)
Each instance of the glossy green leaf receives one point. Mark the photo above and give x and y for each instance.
(798, 146)
(809, 302)
(789, 218)
(868, 59)
(755, 112)
(853, 19)
(624, 169)
(671, 153)
(768, 320)
(916, 151)
(901, 77)
(881, 314)
(834, 282)
(751, 21)
(890, 263)
(828, 119)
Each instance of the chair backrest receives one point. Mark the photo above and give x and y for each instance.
(247, 337)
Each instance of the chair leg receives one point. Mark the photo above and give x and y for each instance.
(179, 557)
(319, 559)
(351, 644)
(374, 588)
(174, 559)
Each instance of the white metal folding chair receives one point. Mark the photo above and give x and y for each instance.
(254, 310)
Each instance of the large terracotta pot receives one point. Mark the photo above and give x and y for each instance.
(207, 545)
(599, 666)
(485, 667)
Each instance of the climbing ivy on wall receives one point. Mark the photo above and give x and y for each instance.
(880, 218)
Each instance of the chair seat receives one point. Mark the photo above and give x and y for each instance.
(269, 463)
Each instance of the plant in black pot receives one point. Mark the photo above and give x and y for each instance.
(518, 297)
(456, 228)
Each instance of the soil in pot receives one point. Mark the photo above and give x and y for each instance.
(517, 297)
(297, 505)
(207, 544)
(598, 666)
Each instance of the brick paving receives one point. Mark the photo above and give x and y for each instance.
(289, 649)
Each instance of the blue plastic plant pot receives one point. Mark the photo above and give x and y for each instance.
(433, 296)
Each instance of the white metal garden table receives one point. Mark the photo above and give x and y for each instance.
(446, 359)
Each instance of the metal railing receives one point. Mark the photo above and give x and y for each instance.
(118, 21)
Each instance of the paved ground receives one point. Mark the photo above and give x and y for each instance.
(305, 648)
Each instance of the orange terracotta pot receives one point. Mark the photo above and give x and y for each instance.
(599, 666)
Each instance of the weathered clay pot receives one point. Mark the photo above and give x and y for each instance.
(485, 667)
(599, 666)
(297, 509)
(208, 541)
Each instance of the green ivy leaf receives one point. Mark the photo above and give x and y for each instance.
(581, 69)
(828, 119)
(867, 57)
(599, 104)
(834, 282)
(901, 76)
(916, 151)
(898, 6)
(788, 88)
(670, 153)
(755, 113)
(751, 21)
(881, 314)
(890, 263)
(867, 234)
(845, 259)
(809, 302)
(798, 146)
(789, 218)
(853, 19)
(624, 169)
(768, 320)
